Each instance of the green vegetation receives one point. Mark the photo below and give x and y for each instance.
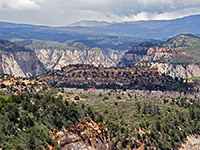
(195, 78)
(76, 98)
(7, 47)
(17, 85)
(132, 121)
(112, 42)
(82, 43)
(88, 76)
(27, 118)
(181, 49)
(40, 44)
(184, 48)
(157, 123)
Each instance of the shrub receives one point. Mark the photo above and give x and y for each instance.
(106, 98)
(109, 93)
(76, 98)
(118, 97)
(129, 95)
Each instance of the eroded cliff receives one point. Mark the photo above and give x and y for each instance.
(55, 59)
(41, 56)
(18, 61)
(177, 57)
(175, 70)
(83, 136)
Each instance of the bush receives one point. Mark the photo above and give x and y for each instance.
(106, 98)
(124, 143)
(100, 94)
(118, 97)
(109, 93)
(99, 118)
(129, 95)
(76, 98)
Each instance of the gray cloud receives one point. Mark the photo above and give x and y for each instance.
(19, 5)
(63, 12)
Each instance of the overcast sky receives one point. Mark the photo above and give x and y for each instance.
(64, 12)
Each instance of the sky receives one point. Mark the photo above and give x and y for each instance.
(64, 12)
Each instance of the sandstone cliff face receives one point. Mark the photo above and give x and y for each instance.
(177, 57)
(129, 60)
(175, 70)
(83, 136)
(55, 59)
(32, 57)
(24, 64)
(30, 63)
(192, 143)
(27, 64)
(116, 55)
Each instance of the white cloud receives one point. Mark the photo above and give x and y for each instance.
(19, 5)
(63, 12)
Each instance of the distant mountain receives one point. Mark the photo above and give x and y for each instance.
(159, 29)
(178, 56)
(153, 29)
(86, 23)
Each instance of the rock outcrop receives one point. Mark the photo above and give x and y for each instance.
(192, 143)
(41, 56)
(83, 136)
(115, 55)
(177, 57)
(56, 58)
(27, 64)
(175, 70)
(135, 54)
(22, 64)
(88, 76)
(18, 60)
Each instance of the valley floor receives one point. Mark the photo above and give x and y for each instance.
(143, 93)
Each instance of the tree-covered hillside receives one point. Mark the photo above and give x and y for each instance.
(146, 123)
(88, 76)
(181, 49)
(123, 120)
(27, 120)
(7, 46)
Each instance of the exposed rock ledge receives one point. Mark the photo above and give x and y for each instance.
(175, 70)
(55, 59)
(193, 143)
(83, 136)
(24, 64)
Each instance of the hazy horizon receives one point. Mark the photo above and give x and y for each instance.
(65, 12)
(15, 22)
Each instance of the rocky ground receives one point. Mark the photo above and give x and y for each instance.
(192, 143)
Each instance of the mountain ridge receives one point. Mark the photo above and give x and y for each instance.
(41, 56)
(159, 29)
(89, 76)
(89, 23)
(178, 56)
